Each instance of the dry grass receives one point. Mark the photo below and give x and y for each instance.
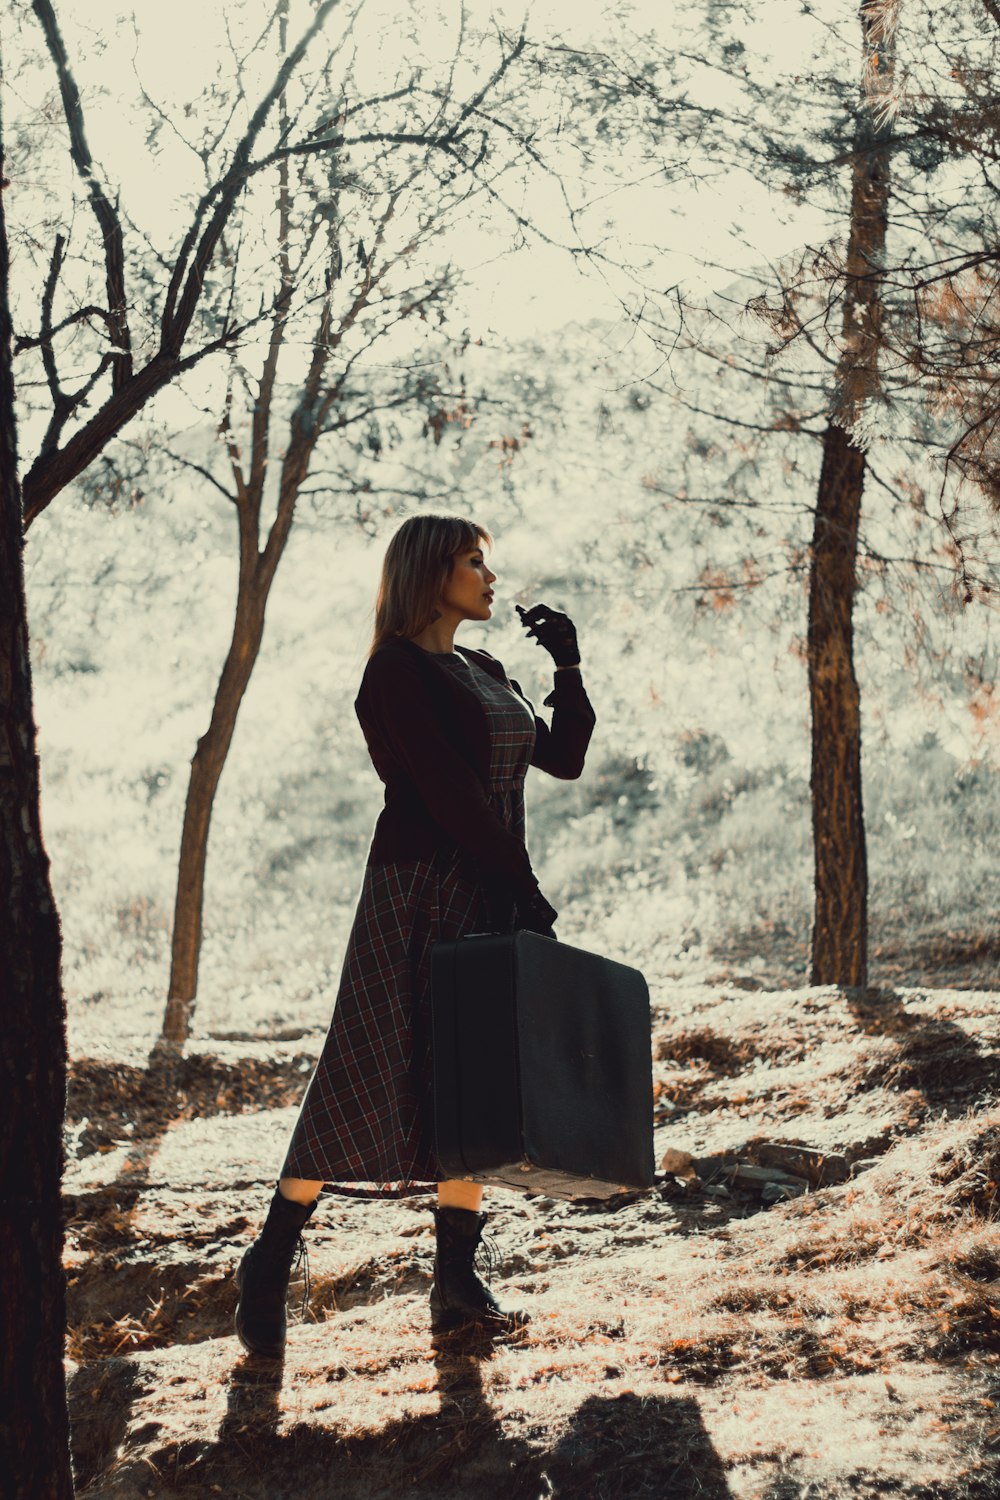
(843, 1344)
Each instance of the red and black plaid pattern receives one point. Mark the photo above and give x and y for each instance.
(367, 1116)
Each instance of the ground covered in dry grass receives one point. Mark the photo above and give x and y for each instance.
(763, 1325)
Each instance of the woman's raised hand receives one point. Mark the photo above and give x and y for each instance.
(553, 630)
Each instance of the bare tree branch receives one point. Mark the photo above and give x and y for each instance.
(106, 215)
(188, 463)
(199, 246)
(55, 467)
(56, 395)
(24, 342)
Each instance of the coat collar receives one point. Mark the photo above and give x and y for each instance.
(481, 658)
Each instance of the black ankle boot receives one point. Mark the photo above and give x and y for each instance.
(458, 1297)
(262, 1277)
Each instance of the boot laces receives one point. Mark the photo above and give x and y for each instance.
(489, 1250)
(302, 1259)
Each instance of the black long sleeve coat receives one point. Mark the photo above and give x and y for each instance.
(428, 738)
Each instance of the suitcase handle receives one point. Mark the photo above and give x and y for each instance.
(497, 930)
(508, 931)
(512, 932)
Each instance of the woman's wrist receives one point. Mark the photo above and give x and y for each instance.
(569, 666)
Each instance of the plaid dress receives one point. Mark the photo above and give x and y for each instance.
(367, 1115)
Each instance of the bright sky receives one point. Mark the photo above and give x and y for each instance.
(181, 48)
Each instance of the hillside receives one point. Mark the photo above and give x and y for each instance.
(713, 1337)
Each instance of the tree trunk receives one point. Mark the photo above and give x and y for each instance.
(840, 924)
(257, 570)
(34, 1432)
(206, 771)
(840, 921)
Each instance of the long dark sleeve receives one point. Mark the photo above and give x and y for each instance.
(562, 748)
(399, 720)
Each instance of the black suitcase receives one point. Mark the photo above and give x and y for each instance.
(542, 1066)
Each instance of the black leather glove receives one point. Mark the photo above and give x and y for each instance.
(534, 914)
(553, 630)
(510, 907)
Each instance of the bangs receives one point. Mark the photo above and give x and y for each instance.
(471, 534)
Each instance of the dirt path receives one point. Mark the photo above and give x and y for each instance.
(762, 1325)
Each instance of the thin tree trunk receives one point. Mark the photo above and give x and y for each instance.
(840, 920)
(34, 1432)
(840, 924)
(206, 771)
(257, 571)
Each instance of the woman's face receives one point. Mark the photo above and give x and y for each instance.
(468, 590)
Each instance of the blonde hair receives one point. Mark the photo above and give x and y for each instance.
(416, 566)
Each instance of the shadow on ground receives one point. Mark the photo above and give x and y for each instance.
(610, 1447)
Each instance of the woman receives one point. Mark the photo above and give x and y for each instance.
(451, 737)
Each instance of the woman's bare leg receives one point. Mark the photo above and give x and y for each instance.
(299, 1189)
(460, 1194)
(454, 1194)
